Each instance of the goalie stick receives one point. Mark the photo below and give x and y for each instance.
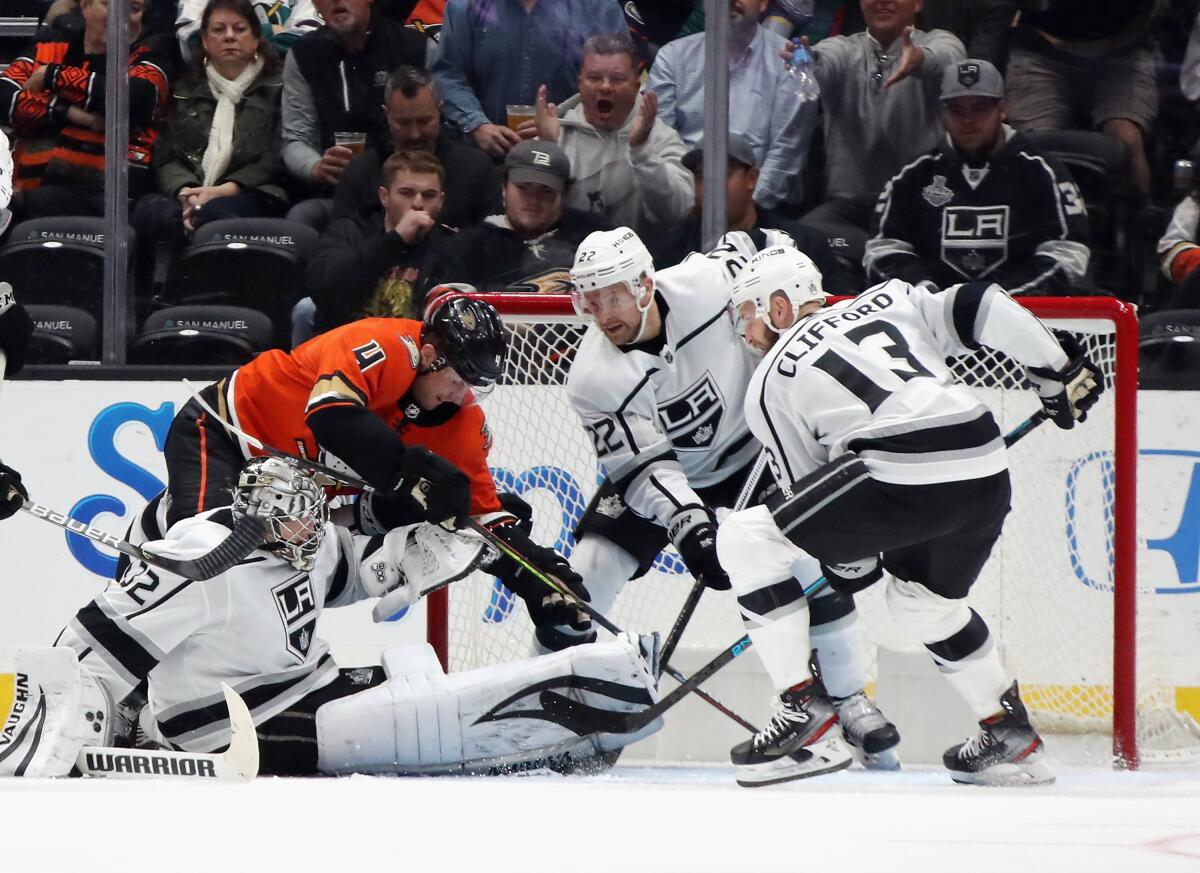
(237, 763)
(249, 532)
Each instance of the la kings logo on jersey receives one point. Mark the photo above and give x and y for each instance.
(298, 608)
(975, 238)
(691, 420)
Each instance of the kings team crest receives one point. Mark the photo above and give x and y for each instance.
(298, 609)
(692, 419)
(975, 239)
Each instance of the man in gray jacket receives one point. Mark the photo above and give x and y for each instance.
(879, 92)
(626, 163)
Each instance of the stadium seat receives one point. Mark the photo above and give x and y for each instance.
(59, 262)
(1169, 350)
(256, 263)
(202, 334)
(62, 334)
(1099, 164)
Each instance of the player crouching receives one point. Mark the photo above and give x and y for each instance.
(893, 466)
(254, 628)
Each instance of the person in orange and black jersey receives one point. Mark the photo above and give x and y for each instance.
(53, 98)
(368, 265)
(530, 246)
(741, 213)
(413, 109)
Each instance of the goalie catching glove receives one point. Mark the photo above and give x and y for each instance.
(413, 559)
(546, 606)
(1069, 393)
(693, 531)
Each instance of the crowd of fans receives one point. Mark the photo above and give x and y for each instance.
(479, 141)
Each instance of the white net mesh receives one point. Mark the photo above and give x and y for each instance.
(1046, 593)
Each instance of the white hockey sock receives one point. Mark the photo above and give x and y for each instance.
(980, 679)
(605, 568)
(839, 646)
(782, 644)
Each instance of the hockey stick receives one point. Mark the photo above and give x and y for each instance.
(488, 536)
(1025, 428)
(693, 597)
(237, 763)
(249, 532)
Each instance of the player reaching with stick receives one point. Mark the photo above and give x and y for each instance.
(657, 381)
(888, 464)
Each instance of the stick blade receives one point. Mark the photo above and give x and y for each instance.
(241, 758)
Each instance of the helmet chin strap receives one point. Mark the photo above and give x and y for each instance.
(644, 310)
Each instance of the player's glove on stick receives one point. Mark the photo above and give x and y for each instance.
(12, 492)
(546, 606)
(693, 531)
(1069, 393)
(428, 488)
(853, 576)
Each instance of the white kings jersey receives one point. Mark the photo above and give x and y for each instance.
(253, 627)
(664, 423)
(869, 376)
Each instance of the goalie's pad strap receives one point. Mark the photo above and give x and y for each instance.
(816, 490)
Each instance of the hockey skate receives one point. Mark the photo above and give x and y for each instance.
(802, 739)
(871, 737)
(1006, 751)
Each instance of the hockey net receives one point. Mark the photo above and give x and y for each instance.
(1059, 593)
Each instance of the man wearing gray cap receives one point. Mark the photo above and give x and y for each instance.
(530, 246)
(983, 205)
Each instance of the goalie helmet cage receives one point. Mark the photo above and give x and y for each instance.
(1060, 591)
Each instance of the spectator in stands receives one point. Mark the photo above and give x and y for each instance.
(983, 205)
(219, 153)
(741, 214)
(496, 54)
(981, 25)
(333, 81)
(626, 163)
(763, 104)
(1098, 58)
(369, 265)
(53, 98)
(529, 248)
(1179, 255)
(879, 94)
(413, 112)
(284, 22)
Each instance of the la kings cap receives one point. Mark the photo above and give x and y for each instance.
(540, 162)
(972, 78)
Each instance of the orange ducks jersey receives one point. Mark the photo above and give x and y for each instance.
(369, 363)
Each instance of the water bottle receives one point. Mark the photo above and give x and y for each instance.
(800, 70)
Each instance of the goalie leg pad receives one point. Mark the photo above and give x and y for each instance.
(546, 711)
(58, 707)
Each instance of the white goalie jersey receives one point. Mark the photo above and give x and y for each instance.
(252, 627)
(869, 375)
(668, 421)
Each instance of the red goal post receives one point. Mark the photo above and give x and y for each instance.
(540, 449)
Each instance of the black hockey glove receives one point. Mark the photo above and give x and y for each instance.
(12, 492)
(1069, 393)
(853, 576)
(430, 488)
(693, 531)
(15, 329)
(546, 606)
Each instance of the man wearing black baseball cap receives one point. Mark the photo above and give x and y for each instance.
(741, 213)
(983, 205)
(531, 246)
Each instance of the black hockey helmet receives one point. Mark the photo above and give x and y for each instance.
(467, 333)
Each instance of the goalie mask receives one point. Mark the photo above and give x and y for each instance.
(467, 333)
(291, 502)
(779, 269)
(610, 263)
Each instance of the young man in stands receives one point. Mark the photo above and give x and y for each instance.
(983, 205)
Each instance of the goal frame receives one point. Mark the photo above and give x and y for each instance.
(1123, 317)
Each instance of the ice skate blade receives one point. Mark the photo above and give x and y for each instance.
(884, 761)
(826, 756)
(1031, 771)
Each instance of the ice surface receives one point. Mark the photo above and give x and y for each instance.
(632, 819)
